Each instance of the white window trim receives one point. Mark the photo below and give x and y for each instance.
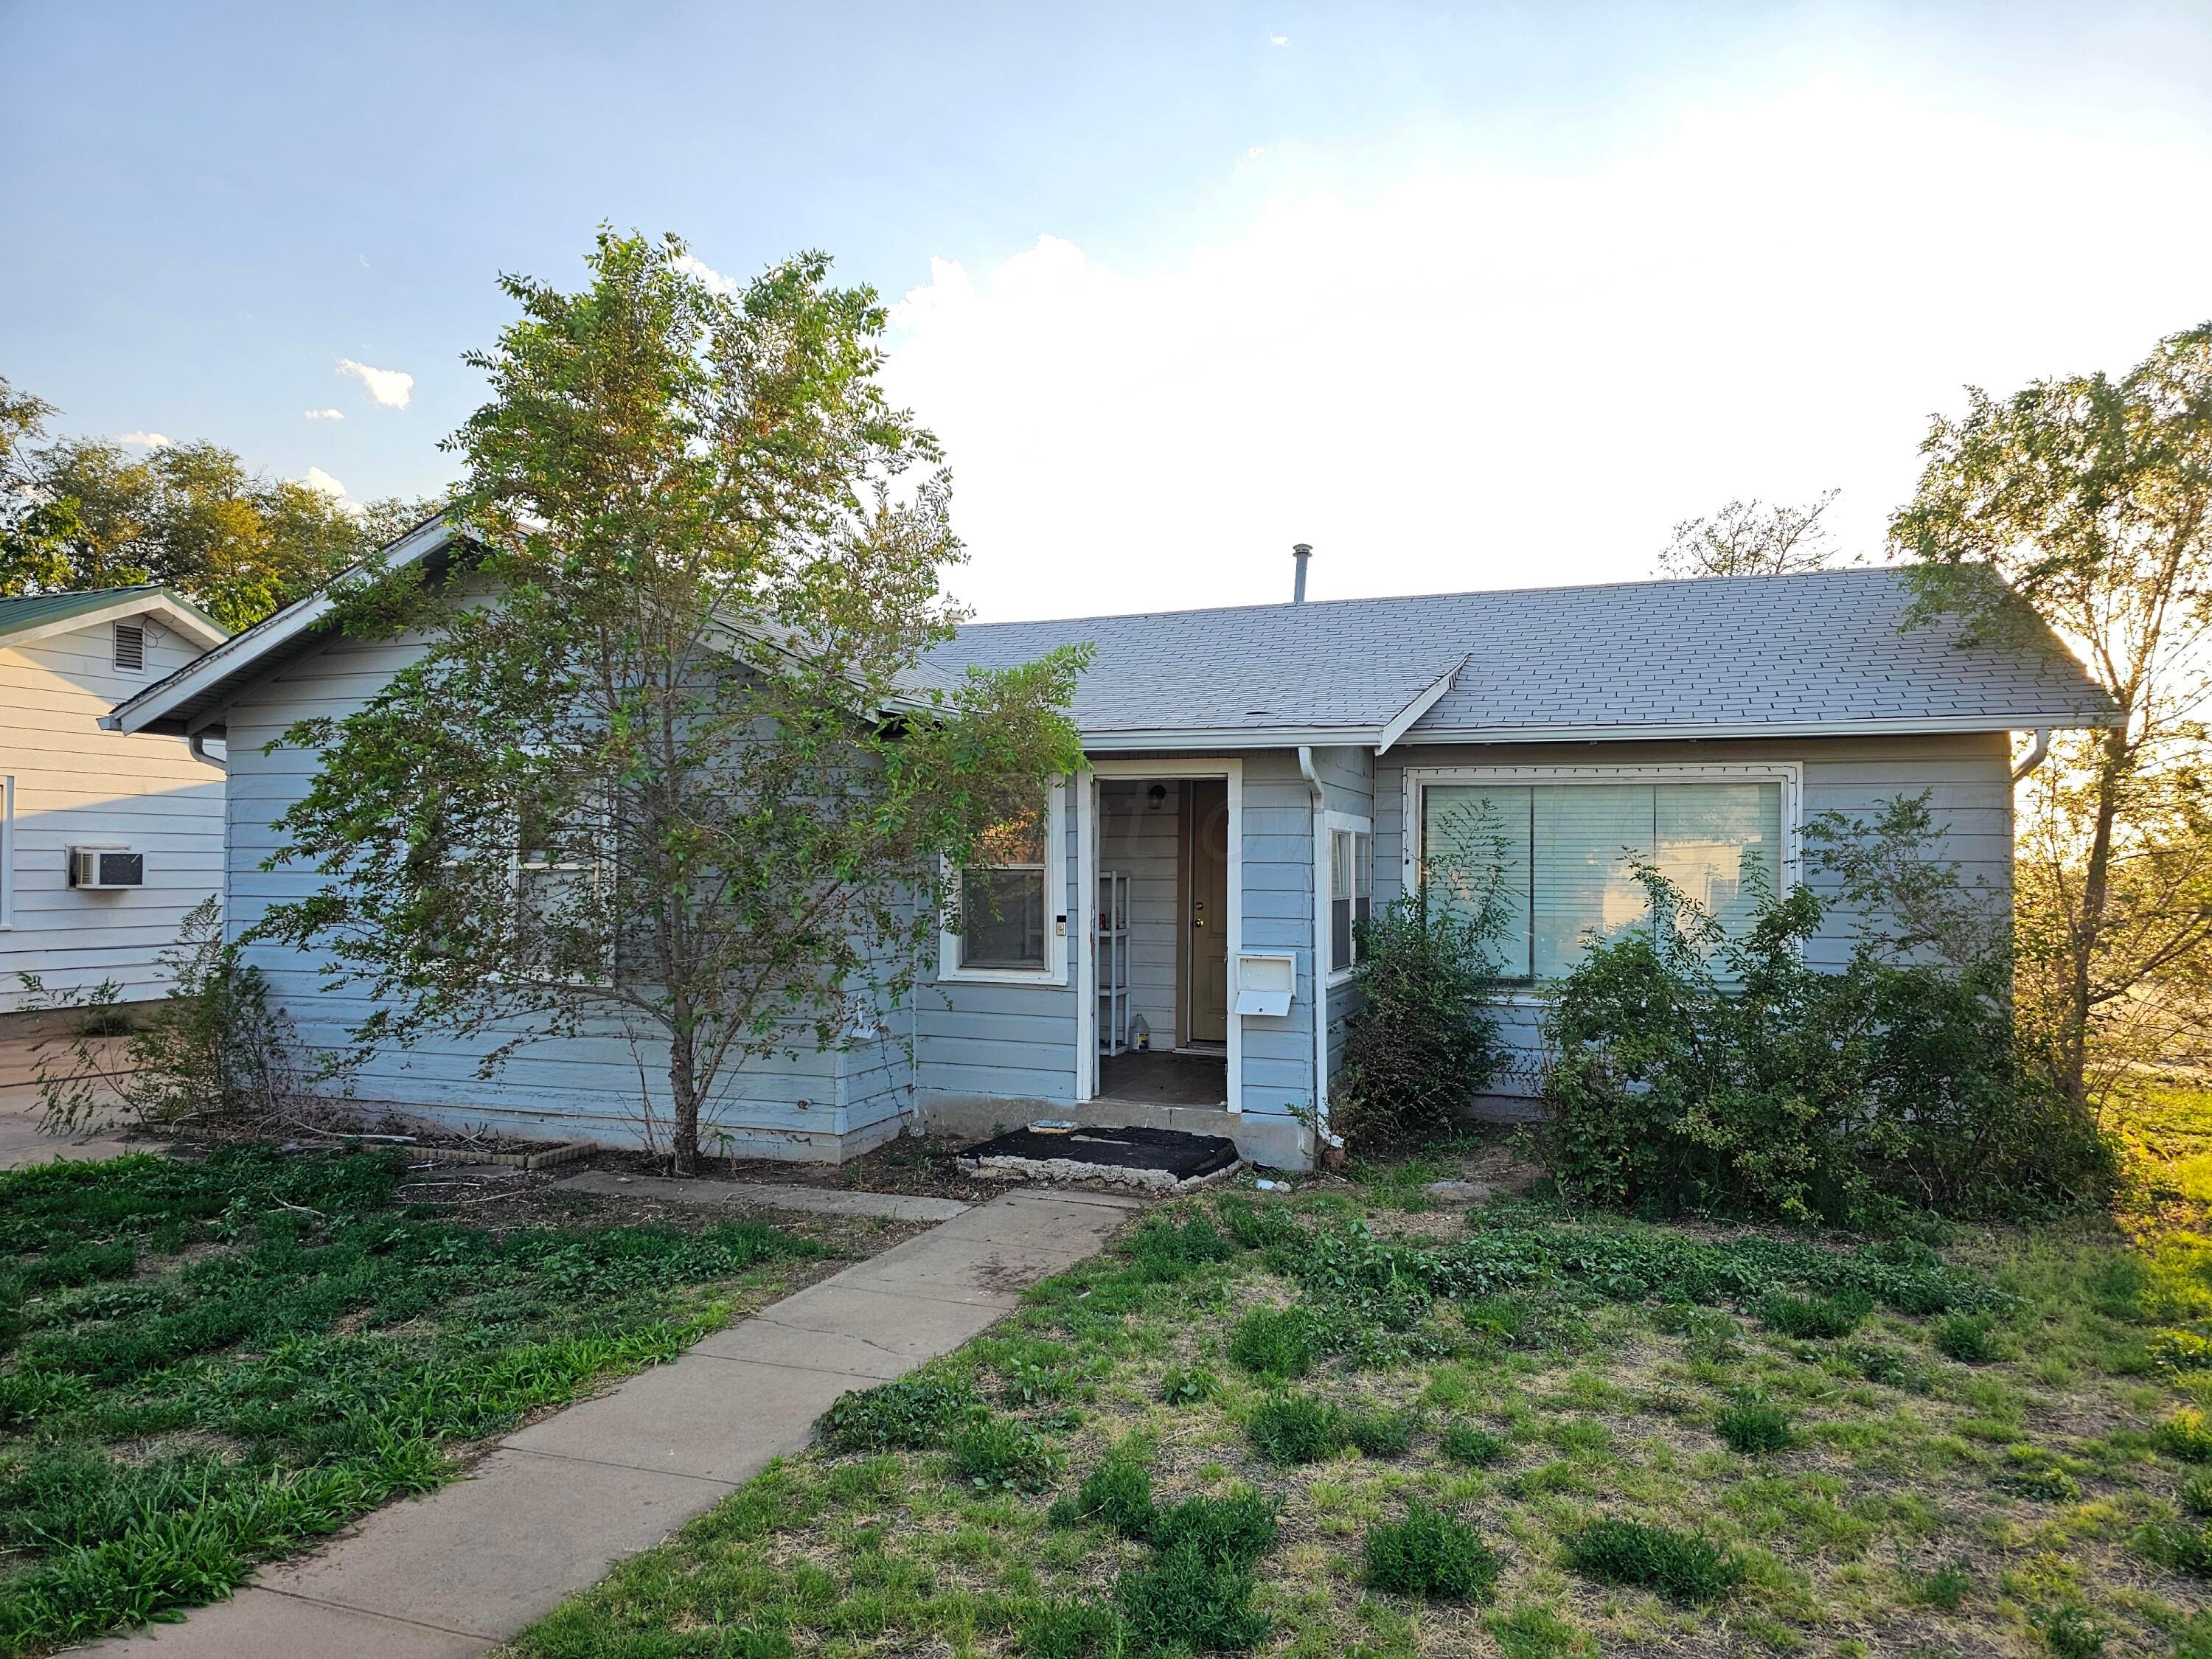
(1058, 920)
(1790, 774)
(7, 852)
(1333, 824)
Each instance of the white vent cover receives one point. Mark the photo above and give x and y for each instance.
(129, 648)
(100, 867)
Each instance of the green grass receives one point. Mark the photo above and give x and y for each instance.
(206, 1364)
(1431, 1553)
(1560, 1382)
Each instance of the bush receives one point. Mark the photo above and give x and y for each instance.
(1182, 1602)
(1295, 1428)
(1751, 1425)
(999, 1455)
(1464, 1442)
(1969, 1339)
(1238, 1530)
(908, 1415)
(1696, 1069)
(1816, 1316)
(1432, 1554)
(1381, 1434)
(1423, 1041)
(1275, 1343)
(1681, 1566)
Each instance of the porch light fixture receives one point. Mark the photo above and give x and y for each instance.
(1156, 797)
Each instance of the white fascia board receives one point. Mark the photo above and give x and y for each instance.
(1954, 726)
(1403, 721)
(241, 650)
(172, 615)
(1212, 738)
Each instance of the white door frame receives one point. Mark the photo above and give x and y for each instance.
(1086, 875)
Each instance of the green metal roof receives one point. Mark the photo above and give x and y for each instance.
(39, 609)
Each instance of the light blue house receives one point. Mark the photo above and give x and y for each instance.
(1173, 944)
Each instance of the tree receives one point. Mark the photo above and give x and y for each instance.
(2085, 502)
(85, 513)
(664, 764)
(1750, 538)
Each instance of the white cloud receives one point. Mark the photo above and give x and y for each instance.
(1255, 152)
(388, 388)
(1487, 376)
(144, 440)
(695, 266)
(1278, 40)
(323, 485)
(326, 414)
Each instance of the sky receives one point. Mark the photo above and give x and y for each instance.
(1463, 295)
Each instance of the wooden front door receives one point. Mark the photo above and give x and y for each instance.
(1206, 887)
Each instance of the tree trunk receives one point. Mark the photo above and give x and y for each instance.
(684, 1086)
(2089, 933)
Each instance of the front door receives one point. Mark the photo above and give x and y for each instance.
(1205, 850)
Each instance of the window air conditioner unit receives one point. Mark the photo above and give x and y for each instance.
(100, 868)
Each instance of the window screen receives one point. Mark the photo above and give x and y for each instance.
(1559, 856)
(1002, 896)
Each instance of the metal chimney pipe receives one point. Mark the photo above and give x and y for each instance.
(1301, 552)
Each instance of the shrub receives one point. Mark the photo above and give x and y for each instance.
(1423, 1041)
(1806, 1317)
(1275, 1343)
(1697, 1068)
(1381, 1434)
(1969, 1339)
(1752, 1425)
(1432, 1554)
(1182, 1602)
(908, 1415)
(1188, 1385)
(1681, 1566)
(1295, 1428)
(1464, 1442)
(1238, 1529)
(1119, 1492)
(999, 1455)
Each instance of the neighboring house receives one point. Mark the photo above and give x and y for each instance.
(1259, 777)
(107, 841)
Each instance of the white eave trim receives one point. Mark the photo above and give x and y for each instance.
(1949, 726)
(192, 627)
(157, 702)
(1210, 738)
(1412, 711)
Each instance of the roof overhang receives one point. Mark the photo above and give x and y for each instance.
(184, 701)
(1951, 726)
(194, 625)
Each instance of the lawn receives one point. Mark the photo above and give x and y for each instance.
(208, 1363)
(1341, 1423)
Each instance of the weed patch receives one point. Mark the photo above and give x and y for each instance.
(1295, 1428)
(1682, 1566)
(1431, 1553)
(1275, 1343)
(1477, 1447)
(1753, 1426)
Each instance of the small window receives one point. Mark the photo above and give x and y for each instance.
(1350, 894)
(1003, 897)
(129, 648)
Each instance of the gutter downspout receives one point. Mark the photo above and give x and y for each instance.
(1321, 1135)
(197, 744)
(2035, 755)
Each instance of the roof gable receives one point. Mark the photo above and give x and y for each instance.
(41, 615)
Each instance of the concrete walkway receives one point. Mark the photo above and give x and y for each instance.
(562, 1501)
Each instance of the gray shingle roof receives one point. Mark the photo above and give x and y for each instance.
(1720, 656)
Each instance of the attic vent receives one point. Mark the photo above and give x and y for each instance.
(129, 648)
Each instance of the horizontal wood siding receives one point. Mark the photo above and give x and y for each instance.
(1968, 778)
(603, 1086)
(78, 785)
(1015, 1042)
(1278, 915)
